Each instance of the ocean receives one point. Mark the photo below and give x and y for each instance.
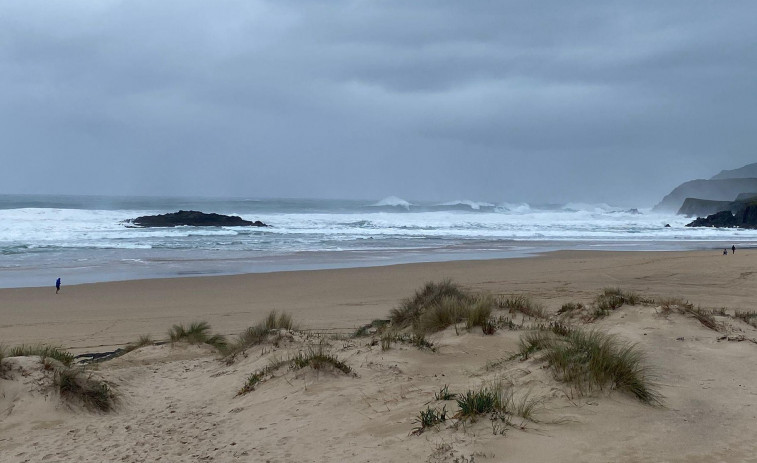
(84, 239)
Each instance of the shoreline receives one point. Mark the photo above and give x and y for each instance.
(138, 265)
(100, 316)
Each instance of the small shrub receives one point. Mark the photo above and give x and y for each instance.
(72, 383)
(429, 418)
(474, 403)
(444, 394)
(44, 351)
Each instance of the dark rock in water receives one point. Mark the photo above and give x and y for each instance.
(193, 219)
(667, 225)
(745, 218)
(633, 211)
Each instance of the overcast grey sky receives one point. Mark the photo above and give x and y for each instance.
(548, 101)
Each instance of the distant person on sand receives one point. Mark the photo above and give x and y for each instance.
(57, 285)
(725, 252)
(733, 249)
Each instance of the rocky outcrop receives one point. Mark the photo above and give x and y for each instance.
(745, 218)
(193, 219)
(695, 207)
(717, 190)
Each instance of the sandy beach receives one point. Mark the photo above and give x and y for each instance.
(179, 402)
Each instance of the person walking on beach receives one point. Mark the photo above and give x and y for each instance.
(57, 285)
(733, 249)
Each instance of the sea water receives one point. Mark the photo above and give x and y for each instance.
(87, 239)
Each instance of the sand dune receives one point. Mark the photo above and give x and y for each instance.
(179, 402)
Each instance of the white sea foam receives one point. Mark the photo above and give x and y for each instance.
(392, 201)
(475, 205)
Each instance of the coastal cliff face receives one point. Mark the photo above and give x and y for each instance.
(194, 219)
(714, 189)
(693, 207)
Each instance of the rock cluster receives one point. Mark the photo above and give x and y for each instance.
(193, 219)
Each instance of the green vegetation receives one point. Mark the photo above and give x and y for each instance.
(429, 418)
(73, 383)
(592, 359)
(44, 351)
(444, 394)
(197, 333)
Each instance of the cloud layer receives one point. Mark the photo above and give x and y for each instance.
(501, 101)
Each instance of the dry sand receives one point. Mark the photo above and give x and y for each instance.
(179, 403)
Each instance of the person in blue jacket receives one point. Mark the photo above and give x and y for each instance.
(57, 285)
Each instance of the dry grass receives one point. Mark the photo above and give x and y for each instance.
(316, 358)
(522, 304)
(197, 333)
(44, 351)
(144, 340)
(592, 359)
(74, 384)
(749, 317)
(258, 334)
(409, 313)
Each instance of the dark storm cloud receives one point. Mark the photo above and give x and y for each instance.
(502, 101)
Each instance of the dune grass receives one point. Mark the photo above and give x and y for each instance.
(415, 339)
(44, 351)
(613, 298)
(437, 306)
(144, 340)
(197, 333)
(258, 334)
(522, 304)
(749, 317)
(570, 307)
(378, 324)
(593, 359)
(432, 294)
(444, 394)
(73, 383)
(316, 358)
(429, 418)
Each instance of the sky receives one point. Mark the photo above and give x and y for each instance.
(503, 101)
